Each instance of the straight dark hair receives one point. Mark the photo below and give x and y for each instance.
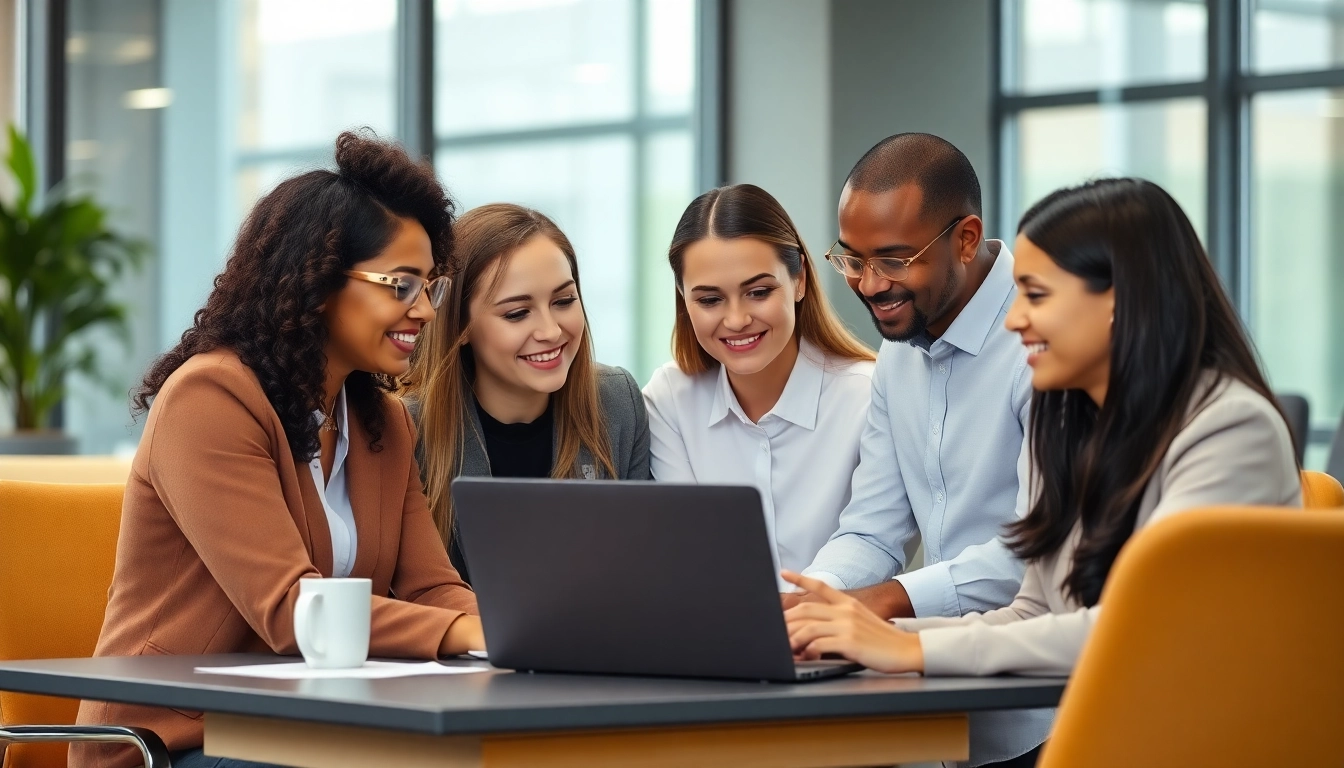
(1175, 337)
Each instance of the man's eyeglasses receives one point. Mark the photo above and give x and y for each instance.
(886, 267)
(407, 287)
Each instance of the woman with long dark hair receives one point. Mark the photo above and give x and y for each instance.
(767, 386)
(505, 383)
(273, 451)
(1149, 401)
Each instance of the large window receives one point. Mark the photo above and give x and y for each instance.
(581, 109)
(1235, 106)
(182, 113)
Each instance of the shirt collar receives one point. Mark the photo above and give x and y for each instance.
(981, 314)
(798, 402)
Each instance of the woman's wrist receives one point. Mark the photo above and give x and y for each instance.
(916, 653)
(464, 634)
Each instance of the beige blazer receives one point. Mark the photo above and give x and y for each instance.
(1235, 450)
(220, 523)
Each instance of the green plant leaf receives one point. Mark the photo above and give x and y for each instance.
(59, 262)
(20, 162)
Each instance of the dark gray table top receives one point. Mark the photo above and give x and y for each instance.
(499, 701)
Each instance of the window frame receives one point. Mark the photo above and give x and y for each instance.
(1228, 88)
(415, 103)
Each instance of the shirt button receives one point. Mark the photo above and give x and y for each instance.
(940, 498)
(935, 429)
(942, 368)
(765, 446)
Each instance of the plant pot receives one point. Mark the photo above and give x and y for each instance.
(37, 442)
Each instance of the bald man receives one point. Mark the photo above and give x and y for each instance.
(943, 453)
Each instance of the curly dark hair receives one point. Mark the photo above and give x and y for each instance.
(290, 256)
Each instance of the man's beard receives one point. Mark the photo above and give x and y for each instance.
(919, 322)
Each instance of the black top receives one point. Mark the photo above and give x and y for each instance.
(514, 450)
(503, 702)
(518, 450)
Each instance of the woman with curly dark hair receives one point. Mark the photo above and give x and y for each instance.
(273, 451)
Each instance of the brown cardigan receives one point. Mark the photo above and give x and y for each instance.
(220, 523)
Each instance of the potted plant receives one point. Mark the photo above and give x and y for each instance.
(58, 262)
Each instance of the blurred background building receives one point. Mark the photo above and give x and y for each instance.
(611, 115)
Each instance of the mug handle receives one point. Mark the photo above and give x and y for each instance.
(305, 616)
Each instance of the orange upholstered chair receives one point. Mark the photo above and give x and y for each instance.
(58, 543)
(1195, 661)
(65, 469)
(1320, 490)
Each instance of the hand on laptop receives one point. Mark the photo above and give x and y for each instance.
(835, 622)
(888, 599)
(790, 599)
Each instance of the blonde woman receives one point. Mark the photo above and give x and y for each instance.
(504, 383)
(768, 387)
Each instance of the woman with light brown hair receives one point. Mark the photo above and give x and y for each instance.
(768, 387)
(504, 384)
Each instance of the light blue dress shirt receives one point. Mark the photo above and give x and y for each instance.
(944, 455)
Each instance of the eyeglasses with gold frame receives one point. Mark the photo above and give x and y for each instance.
(407, 287)
(891, 268)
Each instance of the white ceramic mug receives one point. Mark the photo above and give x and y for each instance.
(331, 622)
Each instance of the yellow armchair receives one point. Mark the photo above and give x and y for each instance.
(1320, 490)
(58, 544)
(1196, 660)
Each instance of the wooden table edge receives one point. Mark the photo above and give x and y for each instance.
(774, 744)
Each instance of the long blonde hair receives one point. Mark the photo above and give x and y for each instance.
(442, 368)
(746, 210)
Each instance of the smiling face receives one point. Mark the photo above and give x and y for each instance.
(741, 301)
(525, 333)
(892, 223)
(368, 328)
(1065, 327)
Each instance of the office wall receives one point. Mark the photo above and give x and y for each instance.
(112, 155)
(9, 76)
(812, 84)
(908, 65)
(779, 110)
(9, 59)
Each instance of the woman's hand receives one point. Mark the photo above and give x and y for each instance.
(464, 634)
(838, 623)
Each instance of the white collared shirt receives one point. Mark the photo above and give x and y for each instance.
(335, 494)
(800, 455)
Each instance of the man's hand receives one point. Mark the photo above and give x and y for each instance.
(838, 623)
(888, 599)
(790, 599)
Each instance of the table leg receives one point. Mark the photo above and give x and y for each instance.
(784, 744)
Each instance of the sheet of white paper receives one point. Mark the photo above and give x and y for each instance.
(372, 670)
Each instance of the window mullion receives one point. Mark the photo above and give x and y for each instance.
(1225, 147)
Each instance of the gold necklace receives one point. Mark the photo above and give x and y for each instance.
(329, 423)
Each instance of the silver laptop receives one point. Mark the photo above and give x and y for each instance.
(629, 578)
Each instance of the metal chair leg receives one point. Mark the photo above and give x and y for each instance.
(150, 745)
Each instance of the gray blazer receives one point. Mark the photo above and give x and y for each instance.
(627, 430)
(1235, 450)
